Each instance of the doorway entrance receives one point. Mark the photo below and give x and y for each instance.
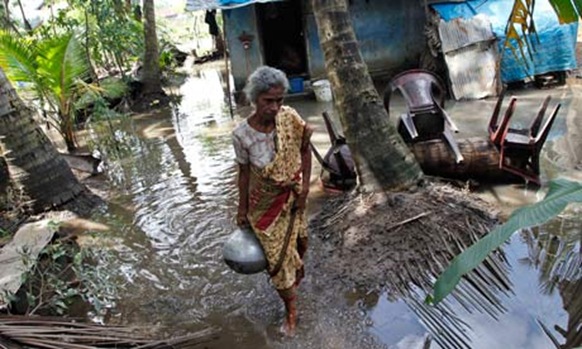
(281, 28)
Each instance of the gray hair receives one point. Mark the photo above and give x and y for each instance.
(262, 80)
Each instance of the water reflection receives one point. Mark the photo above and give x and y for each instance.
(543, 309)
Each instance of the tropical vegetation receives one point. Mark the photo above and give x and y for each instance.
(64, 64)
(561, 193)
(55, 69)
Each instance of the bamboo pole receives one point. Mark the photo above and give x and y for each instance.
(227, 67)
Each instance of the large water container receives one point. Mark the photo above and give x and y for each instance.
(243, 252)
(322, 90)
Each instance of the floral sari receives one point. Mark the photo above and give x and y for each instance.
(272, 193)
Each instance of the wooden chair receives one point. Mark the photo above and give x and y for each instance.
(496, 129)
(520, 153)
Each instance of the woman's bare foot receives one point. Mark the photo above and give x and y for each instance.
(288, 296)
(288, 327)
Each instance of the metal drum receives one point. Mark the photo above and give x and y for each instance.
(243, 252)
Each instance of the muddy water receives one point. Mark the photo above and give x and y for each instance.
(173, 209)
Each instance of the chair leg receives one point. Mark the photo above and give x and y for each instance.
(529, 176)
(453, 145)
(496, 110)
(446, 116)
(497, 136)
(409, 124)
(537, 122)
(450, 121)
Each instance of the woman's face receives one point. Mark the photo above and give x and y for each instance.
(269, 103)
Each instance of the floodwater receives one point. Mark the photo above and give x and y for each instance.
(173, 206)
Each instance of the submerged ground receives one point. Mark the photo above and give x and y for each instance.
(172, 196)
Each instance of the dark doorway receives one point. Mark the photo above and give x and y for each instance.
(281, 27)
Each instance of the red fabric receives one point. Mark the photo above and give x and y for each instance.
(274, 210)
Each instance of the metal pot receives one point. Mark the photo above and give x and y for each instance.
(243, 252)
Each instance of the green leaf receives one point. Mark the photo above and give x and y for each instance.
(561, 193)
(565, 10)
(18, 58)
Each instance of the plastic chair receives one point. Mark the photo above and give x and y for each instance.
(426, 117)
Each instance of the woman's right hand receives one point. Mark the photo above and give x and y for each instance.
(242, 219)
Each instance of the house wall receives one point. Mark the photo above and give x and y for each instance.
(390, 34)
(243, 61)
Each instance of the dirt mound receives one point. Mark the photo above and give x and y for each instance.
(395, 240)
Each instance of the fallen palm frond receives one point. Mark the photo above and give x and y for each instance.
(56, 333)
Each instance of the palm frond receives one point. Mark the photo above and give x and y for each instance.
(521, 17)
(18, 58)
(49, 332)
(560, 194)
(62, 65)
(63, 60)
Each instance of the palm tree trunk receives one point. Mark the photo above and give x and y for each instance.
(94, 76)
(35, 168)
(27, 25)
(383, 160)
(151, 66)
(7, 21)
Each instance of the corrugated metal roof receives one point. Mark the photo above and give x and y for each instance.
(460, 33)
(471, 55)
(198, 5)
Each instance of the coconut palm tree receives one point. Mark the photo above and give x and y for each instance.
(383, 160)
(6, 21)
(35, 168)
(152, 84)
(55, 69)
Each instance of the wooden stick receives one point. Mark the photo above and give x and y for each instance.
(406, 221)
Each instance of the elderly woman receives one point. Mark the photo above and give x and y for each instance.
(274, 158)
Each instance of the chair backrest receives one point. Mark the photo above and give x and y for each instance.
(420, 89)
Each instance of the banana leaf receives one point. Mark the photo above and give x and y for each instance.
(567, 10)
(561, 193)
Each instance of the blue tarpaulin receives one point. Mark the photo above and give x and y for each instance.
(198, 5)
(556, 50)
(238, 3)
